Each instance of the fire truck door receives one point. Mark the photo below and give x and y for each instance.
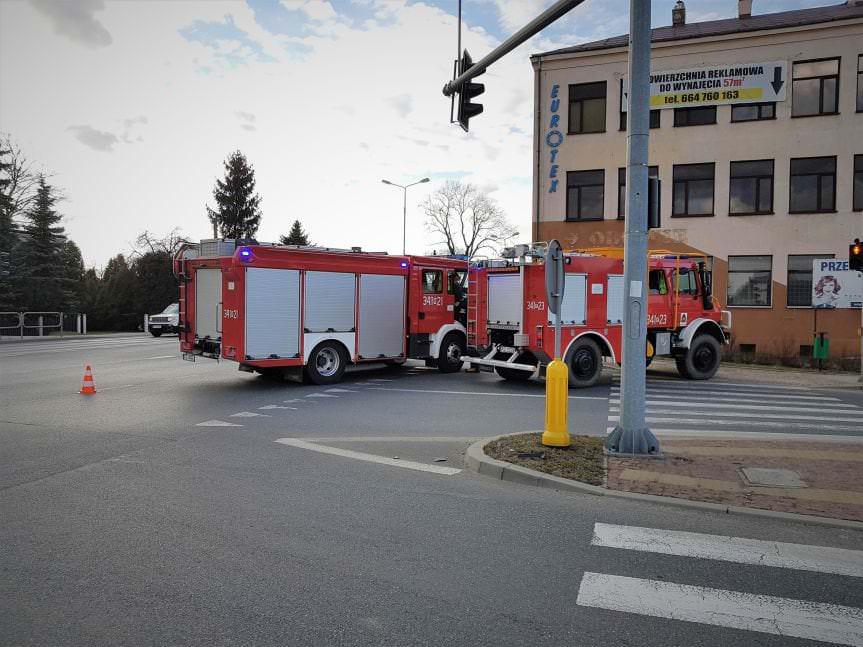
(436, 303)
(659, 308)
(687, 305)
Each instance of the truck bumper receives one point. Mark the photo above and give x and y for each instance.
(490, 363)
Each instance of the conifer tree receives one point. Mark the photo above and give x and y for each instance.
(44, 276)
(9, 287)
(237, 213)
(297, 235)
(73, 276)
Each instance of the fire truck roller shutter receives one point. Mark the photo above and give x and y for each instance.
(615, 299)
(272, 313)
(208, 296)
(329, 302)
(573, 310)
(505, 299)
(382, 316)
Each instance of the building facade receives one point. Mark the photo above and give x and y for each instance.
(761, 181)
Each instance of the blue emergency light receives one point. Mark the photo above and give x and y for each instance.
(245, 254)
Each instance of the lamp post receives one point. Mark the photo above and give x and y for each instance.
(405, 208)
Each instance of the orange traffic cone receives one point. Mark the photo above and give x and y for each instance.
(87, 385)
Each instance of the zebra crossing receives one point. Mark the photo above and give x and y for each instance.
(799, 618)
(687, 407)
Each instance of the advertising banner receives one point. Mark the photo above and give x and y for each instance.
(716, 85)
(835, 286)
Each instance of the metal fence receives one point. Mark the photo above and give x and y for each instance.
(40, 324)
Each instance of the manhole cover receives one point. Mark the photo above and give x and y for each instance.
(767, 477)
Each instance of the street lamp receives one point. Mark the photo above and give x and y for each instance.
(405, 207)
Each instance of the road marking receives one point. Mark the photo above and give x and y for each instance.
(122, 386)
(514, 395)
(370, 458)
(363, 383)
(676, 393)
(321, 395)
(764, 613)
(217, 423)
(248, 414)
(733, 414)
(378, 379)
(820, 559)
(395, 439)
(277, 406)
(675, 402)
(342, 391)
(742, 386)
(161, 357)
(845, 408)
(755, 435)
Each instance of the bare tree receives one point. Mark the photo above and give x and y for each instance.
(21, 182)
(466, 220)
(148, 242)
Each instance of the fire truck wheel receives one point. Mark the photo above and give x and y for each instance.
(702, 359)
(449, 356)
(681, 366)
(156, 333)
(327, 363)
(585, 363)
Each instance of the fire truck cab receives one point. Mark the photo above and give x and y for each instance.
(286, 310)
(511, 331)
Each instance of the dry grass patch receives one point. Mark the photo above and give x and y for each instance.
(582, 461)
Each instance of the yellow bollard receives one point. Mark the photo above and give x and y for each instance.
(556, 432)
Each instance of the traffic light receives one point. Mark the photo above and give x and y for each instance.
(855, 255)
(468, 91)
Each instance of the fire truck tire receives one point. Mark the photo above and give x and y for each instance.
(585, 363)
(156, 333)
(326, 363)
(702, 359)
(449, 356)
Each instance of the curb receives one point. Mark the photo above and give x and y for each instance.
(477, 461)
(7, 339)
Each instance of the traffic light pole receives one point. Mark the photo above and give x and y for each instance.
(631, 436)
(532, 28)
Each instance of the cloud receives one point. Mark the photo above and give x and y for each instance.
(232, 45)
(98, 140)
(402, 104)
(129, 126)
(75, 20)
(248, 120)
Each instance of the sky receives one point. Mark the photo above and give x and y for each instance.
(132, 105)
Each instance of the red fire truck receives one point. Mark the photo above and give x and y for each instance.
(279, 309)
(511, 331)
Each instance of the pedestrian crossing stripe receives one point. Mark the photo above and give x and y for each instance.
(829, 623)
(676, 393)
(743, 422)
(844, 408)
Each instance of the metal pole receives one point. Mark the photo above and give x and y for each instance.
(85, 323)
(631, 435)
(532, 28)
(404, 221)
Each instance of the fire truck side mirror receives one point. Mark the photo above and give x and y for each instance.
(654, 187)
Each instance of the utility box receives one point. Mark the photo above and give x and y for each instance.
(821, 346)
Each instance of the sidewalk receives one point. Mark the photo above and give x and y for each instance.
(816, 478)
(6, 339)
(758, 374)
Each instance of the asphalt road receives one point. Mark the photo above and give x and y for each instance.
(163, 511)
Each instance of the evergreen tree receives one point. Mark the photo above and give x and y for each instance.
(237, 213)
(9, 235)
(73, 274)
(116, 307)
(42, 246)
(297, 235)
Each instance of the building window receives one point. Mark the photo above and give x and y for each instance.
(813, 185)
(432, 281)
(654, 119)
(587, 108)
(750, 189)
(753, 111)
(800, 278)
(652, 171)
(585, 195)
(693, 190)
(860, 83)
(749, 280)
(858, 183)
(699, 116)
(815, 88)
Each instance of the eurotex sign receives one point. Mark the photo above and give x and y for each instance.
(717, 84)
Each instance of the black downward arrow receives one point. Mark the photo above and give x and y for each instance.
(777, 82)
